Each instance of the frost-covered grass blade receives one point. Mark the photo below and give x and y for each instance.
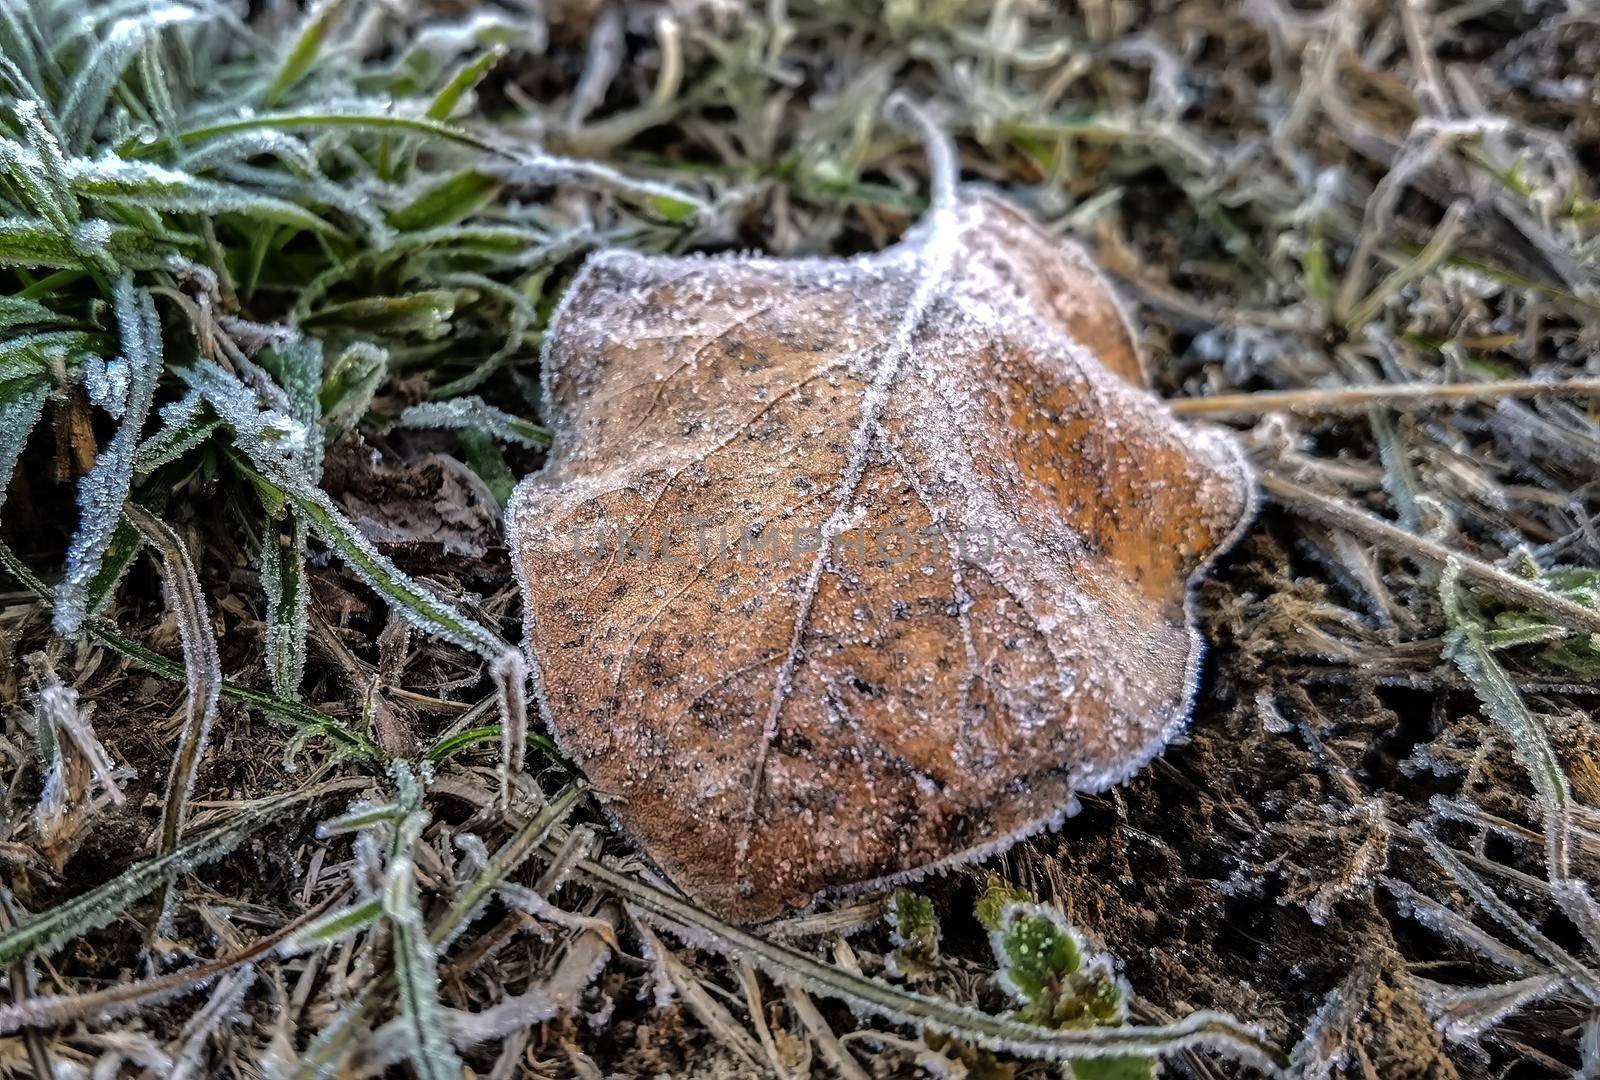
(102, 492)
(202, 670)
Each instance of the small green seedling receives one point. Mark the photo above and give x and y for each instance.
(1574, 652)
(998, 893)
(914, 933)
(1044, 965)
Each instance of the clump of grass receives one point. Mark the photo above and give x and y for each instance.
(262, 232)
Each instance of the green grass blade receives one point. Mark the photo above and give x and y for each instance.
(335, 927)
(102, 492)
(461, 83)
(414, 602)
(378, 123)
(137, 183)
(303, 53)
(120, 553)
(19, 412)
(428, 1048)
(451, 745)
(34, 242)
(426, 313)
(472, 413)
(90, 91)
(298, 366)
(262, 462)
(186, 423)
(19, 311)
(447, 202)
(283, 579)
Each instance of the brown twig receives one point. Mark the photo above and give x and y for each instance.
(1355, 399)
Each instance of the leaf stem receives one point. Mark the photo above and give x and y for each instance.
(944, 168)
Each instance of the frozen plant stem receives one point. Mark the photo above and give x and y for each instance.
(1438, 248)
(22, 993)
(202, 672)
(331, 1047)
(1514, 590)
(1355, 399)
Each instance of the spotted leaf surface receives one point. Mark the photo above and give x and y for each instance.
(842, 570)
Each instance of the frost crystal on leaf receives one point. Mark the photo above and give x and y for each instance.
(106, 383)
(839, 708)
(267, 435)
(474, 414)
(17, 417)
(74, 762)
(427, 1046)
(185, 424)
(102, 491)
(87, 97)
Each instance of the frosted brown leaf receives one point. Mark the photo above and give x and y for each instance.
(771, 716)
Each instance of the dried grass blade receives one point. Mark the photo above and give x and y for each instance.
(1314, 401)
(1570, 968)
(202, 669)
(218, 1012)
(1515, 590)
(512, 854)
(122, 998)
(307, 719)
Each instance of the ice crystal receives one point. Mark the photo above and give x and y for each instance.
(86, 98)
(18, 414)
(101, 493)
(283, 555)
(474, 414)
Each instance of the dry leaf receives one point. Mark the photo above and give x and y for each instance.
(835, 714)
